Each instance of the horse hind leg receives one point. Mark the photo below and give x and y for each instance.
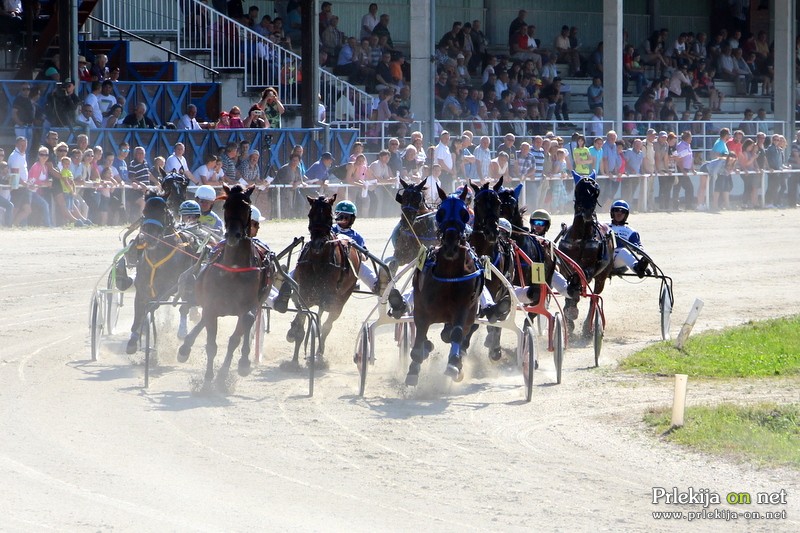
(296, 334)
(493, 342)
(454, 364)
(139, 304)
(244, 362)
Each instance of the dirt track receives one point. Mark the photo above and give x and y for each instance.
(86, 448)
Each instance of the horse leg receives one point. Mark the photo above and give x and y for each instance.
(139, 303)
(211, 345)
(493, 342)
(188, 342)
(183, 328)
(297, 326)
(454, 364)
(327, 326)
(244, 362)
(419, 352)
(599, 284)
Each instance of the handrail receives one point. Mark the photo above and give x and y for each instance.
(214, 73)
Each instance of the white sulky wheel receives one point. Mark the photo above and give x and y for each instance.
(558, 344)
(665, 304)
(597, 334)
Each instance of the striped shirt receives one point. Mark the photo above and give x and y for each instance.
(139, 172)
(538, 162)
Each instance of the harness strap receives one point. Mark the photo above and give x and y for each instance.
(155, 266)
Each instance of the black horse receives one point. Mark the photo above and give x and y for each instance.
(417, 226)
(588, 246)
(162, 255)
(447, 289)
(486, 241)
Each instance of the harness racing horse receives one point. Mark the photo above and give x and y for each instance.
(326, 273)
(235, 282)
(447, 289)
(417, 226)
(538, 250)
(585, 244)
(163, 255)
(485, 239)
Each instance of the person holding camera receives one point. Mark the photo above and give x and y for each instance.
(272, 107)
(255, 118)
(62, 105)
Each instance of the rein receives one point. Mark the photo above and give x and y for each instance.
(431, 263)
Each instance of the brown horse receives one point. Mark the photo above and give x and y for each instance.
(585, 244)
(485, 239)
(161, 254)
(447, 289)
(416, 228)
(326, 273)
(235, 282)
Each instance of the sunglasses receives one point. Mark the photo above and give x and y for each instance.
(539, 223)
(617, 210)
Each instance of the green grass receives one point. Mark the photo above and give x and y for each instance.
(764, 434)
(756, 349)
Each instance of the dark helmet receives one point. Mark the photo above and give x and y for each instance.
(623, 206)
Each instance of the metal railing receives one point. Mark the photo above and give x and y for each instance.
(148, 17)
(233, 46)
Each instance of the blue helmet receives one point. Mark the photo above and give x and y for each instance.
(189, 207)
(620, 205)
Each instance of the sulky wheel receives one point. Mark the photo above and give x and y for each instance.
(96, 322)
(364, 361)
(313, 341)
(257, 334)
(558, 344)
(665, 305)
(528, 362)
(405, 343)
(113, 301)
(150, 337)
(597, 335)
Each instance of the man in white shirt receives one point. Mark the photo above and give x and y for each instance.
(483, 156)
(208, 173)
(93, 101)
(369, 21)
(86, 116)
(444, 158)
(177, 163)
(106, 97)
(188, 120)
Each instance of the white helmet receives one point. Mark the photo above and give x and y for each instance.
(205, 192)
(255, 214)
(504, 225)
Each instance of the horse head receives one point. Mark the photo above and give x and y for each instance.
(174, 186)
(452, 217)
(509, 206)
(411, 200)
(487, 209)
(155, 220)
(586, 193)
(320, 216)
(236, 212)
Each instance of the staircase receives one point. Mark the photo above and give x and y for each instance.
(47, 38)
(230, 47)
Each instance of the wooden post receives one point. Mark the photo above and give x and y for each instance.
(689, 324)
(679, 400)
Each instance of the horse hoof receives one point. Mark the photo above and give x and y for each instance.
(183, 354)
(133, 345)
(495, 354)
(428, 344)
(412, 380)
(209, 377)
(446, 333)
(571, 313)
(453, 372)
(245, 369)
(295, 333)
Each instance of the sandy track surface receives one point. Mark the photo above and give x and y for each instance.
(86, 448)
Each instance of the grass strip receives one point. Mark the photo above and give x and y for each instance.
(755, 349)
(765, 434)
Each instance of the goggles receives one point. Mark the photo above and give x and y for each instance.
(539, 223)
